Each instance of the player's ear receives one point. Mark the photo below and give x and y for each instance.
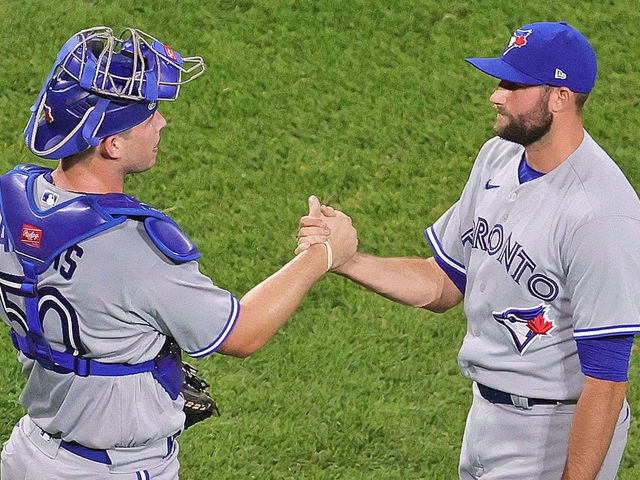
(562, 99)
(111, 146)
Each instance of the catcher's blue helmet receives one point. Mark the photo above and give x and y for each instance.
(101, 85)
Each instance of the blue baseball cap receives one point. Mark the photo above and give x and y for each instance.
(552, 53)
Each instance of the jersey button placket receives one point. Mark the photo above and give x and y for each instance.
(510, 198)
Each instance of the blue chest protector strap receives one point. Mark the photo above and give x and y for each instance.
(39, 236)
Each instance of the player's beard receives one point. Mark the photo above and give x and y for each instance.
(528, 128)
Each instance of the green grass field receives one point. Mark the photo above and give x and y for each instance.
(370, 106)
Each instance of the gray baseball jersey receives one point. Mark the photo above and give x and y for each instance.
(540, 264)
(114, 298)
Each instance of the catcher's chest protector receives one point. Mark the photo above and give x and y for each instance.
(39, 236)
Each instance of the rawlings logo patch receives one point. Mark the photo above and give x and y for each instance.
(31, 235)
(524, 325)
(518, 40)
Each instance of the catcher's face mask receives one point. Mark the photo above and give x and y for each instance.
(101, 85)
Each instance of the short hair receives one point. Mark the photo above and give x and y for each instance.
(579, 96)
(79, 157)
(580, 99)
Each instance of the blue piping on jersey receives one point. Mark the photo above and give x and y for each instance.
(454, 270)
(220, 339)
(609, 331)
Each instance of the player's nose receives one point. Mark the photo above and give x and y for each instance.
(159, 121)
(498, 95)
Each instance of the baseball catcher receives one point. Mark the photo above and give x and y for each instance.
(102, 292)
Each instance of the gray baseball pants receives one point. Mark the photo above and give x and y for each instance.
(502, 442)
(30, 455)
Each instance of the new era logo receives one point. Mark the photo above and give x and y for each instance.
(31, 235)
(560, 74)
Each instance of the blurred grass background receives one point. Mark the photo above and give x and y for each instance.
(370, 106)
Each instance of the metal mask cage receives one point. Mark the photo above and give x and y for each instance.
(101, 84)
(154, 67)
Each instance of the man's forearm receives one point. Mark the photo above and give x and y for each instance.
(268, 305)
(592, 429)
(417, 282)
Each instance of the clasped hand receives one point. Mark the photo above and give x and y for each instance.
(325, 224)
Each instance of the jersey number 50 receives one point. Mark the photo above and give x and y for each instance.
(50, 302)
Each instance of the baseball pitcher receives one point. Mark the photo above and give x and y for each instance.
(543, 247)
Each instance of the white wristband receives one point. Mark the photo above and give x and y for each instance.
(329, 255)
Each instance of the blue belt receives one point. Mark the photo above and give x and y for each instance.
(85, 452)
(98, 455)
(497, 396)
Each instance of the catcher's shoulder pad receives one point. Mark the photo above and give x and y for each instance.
(82, 218)
(170, 239)
(30, 169)
(163, 231)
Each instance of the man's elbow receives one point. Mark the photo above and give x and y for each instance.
(443, 302)
(438, 308)
(238, 353)
(239, 348)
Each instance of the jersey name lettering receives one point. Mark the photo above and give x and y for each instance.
(66, 264)
(4, 239)
(512, 255)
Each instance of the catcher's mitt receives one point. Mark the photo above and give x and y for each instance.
(198, 404)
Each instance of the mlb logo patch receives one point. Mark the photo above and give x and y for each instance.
(50, 198)
(31, 235)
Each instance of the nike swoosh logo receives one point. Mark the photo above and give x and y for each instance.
(489, 185)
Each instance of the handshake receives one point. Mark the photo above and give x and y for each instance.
(325, 225)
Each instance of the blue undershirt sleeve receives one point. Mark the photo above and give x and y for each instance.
(606, 358)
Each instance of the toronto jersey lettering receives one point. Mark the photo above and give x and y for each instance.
(512, 255)
(541, 263)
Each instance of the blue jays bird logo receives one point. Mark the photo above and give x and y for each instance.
(48, 116)
(525, 324)
(518, 40)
